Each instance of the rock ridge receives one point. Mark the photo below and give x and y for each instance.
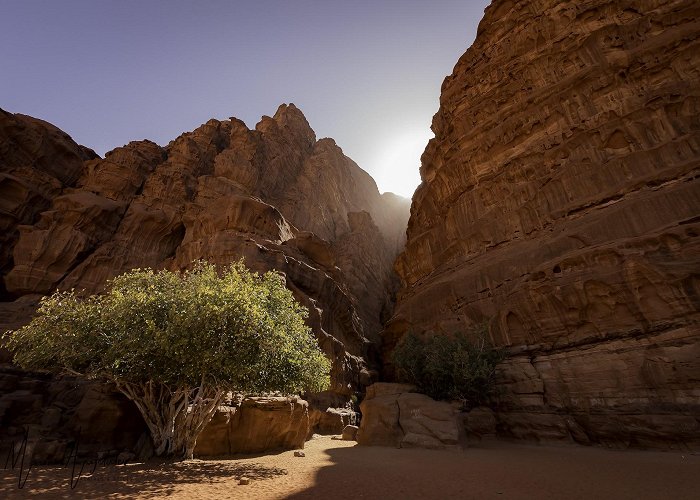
(273, 195)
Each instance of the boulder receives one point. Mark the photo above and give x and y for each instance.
(350, 433)
(257, 424)
(406, 419)
(422, 415)
(332, 421)
(380, 422)
(479, 422)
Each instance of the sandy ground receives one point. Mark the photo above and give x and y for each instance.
(338, 469)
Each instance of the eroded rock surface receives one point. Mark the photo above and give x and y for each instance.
(394, 415)
(331, 421)
(560, 201)
(274, 195)
(66, 415)
(257, 424)
(37, 161)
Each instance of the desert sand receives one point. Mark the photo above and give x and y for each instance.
(340, 469)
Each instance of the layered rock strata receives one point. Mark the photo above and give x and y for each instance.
(37, 162)
(274, 196)
(560, 202)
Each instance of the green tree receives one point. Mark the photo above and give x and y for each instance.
(460, 367)
(177, 343)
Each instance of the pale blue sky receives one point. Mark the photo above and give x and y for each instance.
(365, 72)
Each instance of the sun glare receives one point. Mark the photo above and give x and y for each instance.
(398, 163)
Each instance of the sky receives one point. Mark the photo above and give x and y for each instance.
(365, 72)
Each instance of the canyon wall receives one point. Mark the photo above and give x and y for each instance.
(560, 202)
(274, 195)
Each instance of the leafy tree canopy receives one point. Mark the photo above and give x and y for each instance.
(179, 333)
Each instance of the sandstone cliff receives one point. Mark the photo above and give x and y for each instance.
(560, 201)
(274, 195)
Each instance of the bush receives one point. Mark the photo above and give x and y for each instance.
(177, 343)
(460, 367)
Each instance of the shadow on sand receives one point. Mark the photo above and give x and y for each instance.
(150, 479)
(505, 470)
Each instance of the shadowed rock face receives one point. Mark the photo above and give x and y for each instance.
(274, 196)
(560, 202)
(38, 161)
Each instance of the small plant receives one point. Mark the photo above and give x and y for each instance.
(459, 367)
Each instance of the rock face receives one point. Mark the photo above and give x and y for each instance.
(64, 415)
(479, 422)
(560, 202)
(332, 421)
(394, 415)
(275, 196)
(258, 424)
(38, 162)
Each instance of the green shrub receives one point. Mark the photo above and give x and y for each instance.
(460, 367)
(177, 343)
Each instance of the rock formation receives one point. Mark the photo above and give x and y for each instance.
(560, 201)
(65, 415)
(395, 415)
(333, 420)
(255, 425)
(38, 161)
(275, 196)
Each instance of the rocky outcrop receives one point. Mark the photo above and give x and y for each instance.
(349, 433)
(560, 202)
(61, 416)
(479, 422)
(255, 425)
(331, 421)
(37, 162)
(395, 415)
(274, 196)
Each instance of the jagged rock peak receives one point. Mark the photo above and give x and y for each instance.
(288, 119)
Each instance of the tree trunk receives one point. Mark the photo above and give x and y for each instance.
(175, 416)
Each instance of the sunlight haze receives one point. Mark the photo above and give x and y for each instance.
(366, 73)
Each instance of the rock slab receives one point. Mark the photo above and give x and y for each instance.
(391, 417)
(256, 425)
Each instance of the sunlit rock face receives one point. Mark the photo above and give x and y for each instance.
(275, 196)
(560, 202)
